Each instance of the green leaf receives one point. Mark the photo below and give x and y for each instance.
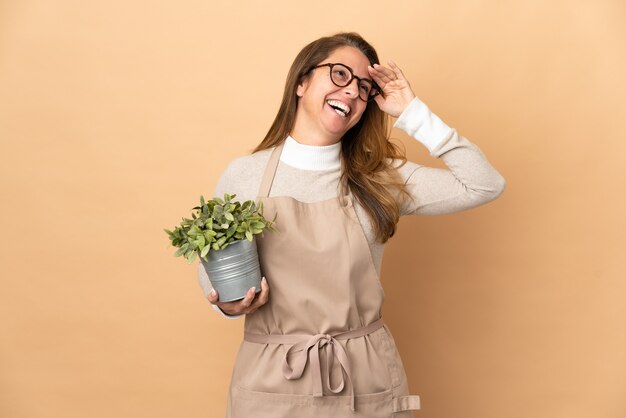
(201, 242)
(216, 223)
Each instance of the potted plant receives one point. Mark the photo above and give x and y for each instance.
(221, 233)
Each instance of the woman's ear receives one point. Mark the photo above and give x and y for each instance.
(300, 90)
(302, 87)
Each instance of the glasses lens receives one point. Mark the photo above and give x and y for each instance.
(340, 75)
(366, 89)
(375, 91)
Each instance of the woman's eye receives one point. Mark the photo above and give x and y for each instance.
(341, 73)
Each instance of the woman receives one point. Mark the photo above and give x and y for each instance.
(317, 346)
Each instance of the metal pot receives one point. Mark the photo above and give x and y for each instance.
(234, 270)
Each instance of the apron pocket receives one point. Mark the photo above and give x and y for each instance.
(392, 359)
(247, 403)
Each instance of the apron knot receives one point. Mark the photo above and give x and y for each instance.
(306, 349)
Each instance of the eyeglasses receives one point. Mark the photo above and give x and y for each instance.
(341, 75)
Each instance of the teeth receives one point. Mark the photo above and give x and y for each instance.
(341, 106)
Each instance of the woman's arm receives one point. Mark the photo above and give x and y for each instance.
(468, 182)
(470, 179)
(233, 181)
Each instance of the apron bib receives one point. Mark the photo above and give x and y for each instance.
(319, 347)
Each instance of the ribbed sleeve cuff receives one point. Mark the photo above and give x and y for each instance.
(225, 315)
(418, 121)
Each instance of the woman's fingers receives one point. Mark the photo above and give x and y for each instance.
(397, 71)
(246, 302)
(383, 75)
(379, 75)
(262, 298)
(249, 304)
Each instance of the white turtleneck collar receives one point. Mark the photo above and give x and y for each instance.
(311, 157)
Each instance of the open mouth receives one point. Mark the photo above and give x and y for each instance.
(341, 108)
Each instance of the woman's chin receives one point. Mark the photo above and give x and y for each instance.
(337, 127)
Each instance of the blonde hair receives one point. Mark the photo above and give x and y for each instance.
(366, 152)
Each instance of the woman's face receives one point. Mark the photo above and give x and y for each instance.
(317, 121)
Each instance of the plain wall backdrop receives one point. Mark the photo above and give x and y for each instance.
(115, 116)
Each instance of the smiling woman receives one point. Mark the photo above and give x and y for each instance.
(327, 111)
(318, 346)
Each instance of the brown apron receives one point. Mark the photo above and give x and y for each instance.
(319, 347)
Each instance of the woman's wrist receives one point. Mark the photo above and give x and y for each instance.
(418, 121)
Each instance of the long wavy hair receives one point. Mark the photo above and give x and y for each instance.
(366, 152)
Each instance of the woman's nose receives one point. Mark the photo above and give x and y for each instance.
(352, 88)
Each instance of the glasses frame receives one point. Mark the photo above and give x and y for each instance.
(375, 87)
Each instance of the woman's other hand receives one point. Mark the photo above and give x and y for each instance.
(249, 304)
(397, 93)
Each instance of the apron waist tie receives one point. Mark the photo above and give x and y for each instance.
(307, 347)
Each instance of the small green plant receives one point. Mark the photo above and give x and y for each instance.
(217, 223)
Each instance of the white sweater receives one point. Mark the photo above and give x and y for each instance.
(311, 173)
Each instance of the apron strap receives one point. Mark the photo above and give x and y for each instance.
(270, 171)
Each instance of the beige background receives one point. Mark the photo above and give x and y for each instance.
(115, 116)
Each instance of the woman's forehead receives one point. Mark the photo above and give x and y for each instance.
(351, 57)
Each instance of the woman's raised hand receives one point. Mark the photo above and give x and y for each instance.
(397, 92)
(249, 304)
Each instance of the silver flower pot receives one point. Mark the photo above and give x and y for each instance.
(234, 270)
